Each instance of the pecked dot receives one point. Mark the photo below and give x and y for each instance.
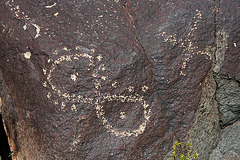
(27, 55)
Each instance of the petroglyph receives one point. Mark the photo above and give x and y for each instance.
(189, 48)
(145, 88)
(122, 115)
(19, 14)
(97, 67)
(50, 6)
(38, 29)
(98, 102)
(27, 55)
(17, 11)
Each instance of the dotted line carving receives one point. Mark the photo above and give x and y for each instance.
(98, 102)
(189, 48)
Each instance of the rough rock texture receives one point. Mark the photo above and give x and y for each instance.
(219, 104)
(111, 79)
(229, 144)
(227, 22)
(205, 131)
(228, 99)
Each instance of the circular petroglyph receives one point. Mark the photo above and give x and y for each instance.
(127, 100)
(124, 99)
(68, 78)
(137, 100)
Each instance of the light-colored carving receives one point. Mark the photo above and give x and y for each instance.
(19, 14)
(27, 55)
(74, 77)
(145, 88)
(189, 48)
(72, 98)
(98, 102)
(122, 115)
(50, 6)
(56, 14)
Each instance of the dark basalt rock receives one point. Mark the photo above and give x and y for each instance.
(229, 145)
(106, 79)
(228, 98)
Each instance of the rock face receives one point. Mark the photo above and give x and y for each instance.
(205, 131)
(115, 79)
(228, 99)
(229, 145)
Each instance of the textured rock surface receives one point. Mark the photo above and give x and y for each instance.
(229, 144)
(228, 99)
(205, 131)
(219, 98)
(110, 79)
(227, 20)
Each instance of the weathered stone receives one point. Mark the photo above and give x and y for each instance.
(205, 131)
(227, 23)
(221, 46)
(106, 79)
(228, 99)
(229, 146)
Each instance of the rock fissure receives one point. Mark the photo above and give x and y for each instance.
(132, 24)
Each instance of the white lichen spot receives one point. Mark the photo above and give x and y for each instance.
(27, 55)
(122, 115)
(54, 4)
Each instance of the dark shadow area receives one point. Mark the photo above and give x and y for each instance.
(4, 146)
